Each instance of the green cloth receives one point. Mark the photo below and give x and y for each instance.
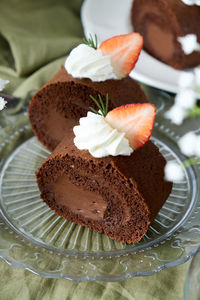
(35, 37)
(16, 284)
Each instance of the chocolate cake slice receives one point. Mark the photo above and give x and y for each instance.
(60, 103)
(119, 195)
(161, 22)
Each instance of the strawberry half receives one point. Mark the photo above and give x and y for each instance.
(124, 51)
(135, 120)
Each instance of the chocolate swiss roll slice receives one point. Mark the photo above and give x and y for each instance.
(118, 196)
(60, 103)
(161, 22)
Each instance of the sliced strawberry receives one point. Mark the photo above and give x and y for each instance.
(135, 120)
(124, 51)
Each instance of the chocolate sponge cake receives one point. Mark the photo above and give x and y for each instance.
(119, 195)
(161, 22)
(60, 103)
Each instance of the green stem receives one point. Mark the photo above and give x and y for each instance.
(191, 161)
(95, 111)
(195, 111)
(107, 100)
(101, 106)
(92, 42)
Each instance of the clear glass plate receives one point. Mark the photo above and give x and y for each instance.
(34, 237)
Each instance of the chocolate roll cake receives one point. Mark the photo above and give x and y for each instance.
(161, 22)
(119, 195)
(60, 103)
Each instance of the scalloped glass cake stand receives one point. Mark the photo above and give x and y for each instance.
(35, 238)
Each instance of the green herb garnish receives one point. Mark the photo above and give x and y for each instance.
(92, 42)
(103, 108)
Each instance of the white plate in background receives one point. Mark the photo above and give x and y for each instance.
(107, 18)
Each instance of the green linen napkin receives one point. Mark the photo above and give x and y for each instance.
(35, 37)
(17, 284)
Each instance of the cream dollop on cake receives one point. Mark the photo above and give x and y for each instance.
(87, 62)
(118, 132)
(99, 138)
(113, 59)
(191, 2)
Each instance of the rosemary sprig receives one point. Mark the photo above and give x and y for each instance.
(102, 108)
(92, 42)
(107, 100)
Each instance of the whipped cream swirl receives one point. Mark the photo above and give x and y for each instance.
(87, 62)
(191, 2)
(99, 138)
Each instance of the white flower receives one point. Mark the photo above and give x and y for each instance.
(191, 2)
(173, 171)
(185, 99)
(186, 80)
(188, 43)
(197, 76)
(176, 114)
(3, 83)
(190, 144)
(2, 103)
(198, 146)
(187, 143)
